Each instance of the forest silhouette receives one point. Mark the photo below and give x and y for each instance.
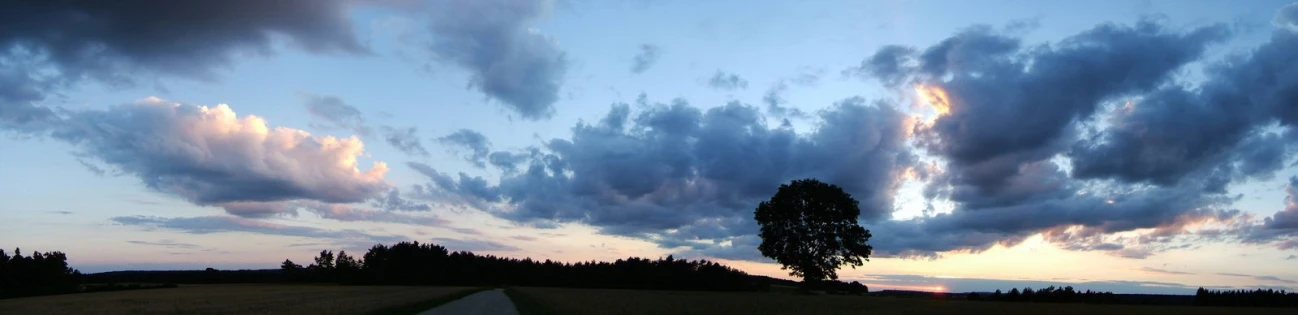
(37, 274)
(414, 263)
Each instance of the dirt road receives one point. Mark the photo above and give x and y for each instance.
(491, 302)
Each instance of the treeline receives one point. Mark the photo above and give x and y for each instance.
(1259, 297)
(412, 263)
(1049, 294)
(208, 276)
(37, 274)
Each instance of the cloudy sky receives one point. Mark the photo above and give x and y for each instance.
(1133, 146)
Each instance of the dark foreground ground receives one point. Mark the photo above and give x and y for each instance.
(332, 299)
(234, 299)
(545, 301)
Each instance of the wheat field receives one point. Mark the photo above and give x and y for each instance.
(544, 301)
(231, 299)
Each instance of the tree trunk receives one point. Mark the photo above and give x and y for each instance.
(807, 285)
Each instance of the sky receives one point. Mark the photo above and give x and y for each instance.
(1127, 146)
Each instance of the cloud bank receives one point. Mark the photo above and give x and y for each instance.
(1070, 140)
(630, 175)
(211, 156)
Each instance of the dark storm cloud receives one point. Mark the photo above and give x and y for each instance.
(109, 41)
(46, 46)
(645, 58)
(336, 114)
(406, 140)
(1012, 106)
(453, 191)
(727, 81)
(1236, 125)
(94, 38)
(19, 92)
(478, 146)
(1218, 129)
(687, 178)
(509, 61)
(211, 156)
(698, 173)
(506, 161)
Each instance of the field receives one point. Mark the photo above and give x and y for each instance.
(545, 301)
(233, 299)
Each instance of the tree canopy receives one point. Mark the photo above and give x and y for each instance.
(37, 274)
(811, 228)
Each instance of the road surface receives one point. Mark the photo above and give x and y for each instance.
(490, 302)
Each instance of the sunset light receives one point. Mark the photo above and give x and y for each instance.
(935, 97)
(778, 149)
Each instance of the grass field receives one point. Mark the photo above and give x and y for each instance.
(239, 299)
(547, 301)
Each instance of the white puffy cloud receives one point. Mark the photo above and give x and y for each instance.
(212, 156)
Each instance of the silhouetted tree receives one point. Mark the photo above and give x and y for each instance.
(290, 270)
(811, 229)
(346, 268)
(325, 260)
(38, 274)
(289, 266)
